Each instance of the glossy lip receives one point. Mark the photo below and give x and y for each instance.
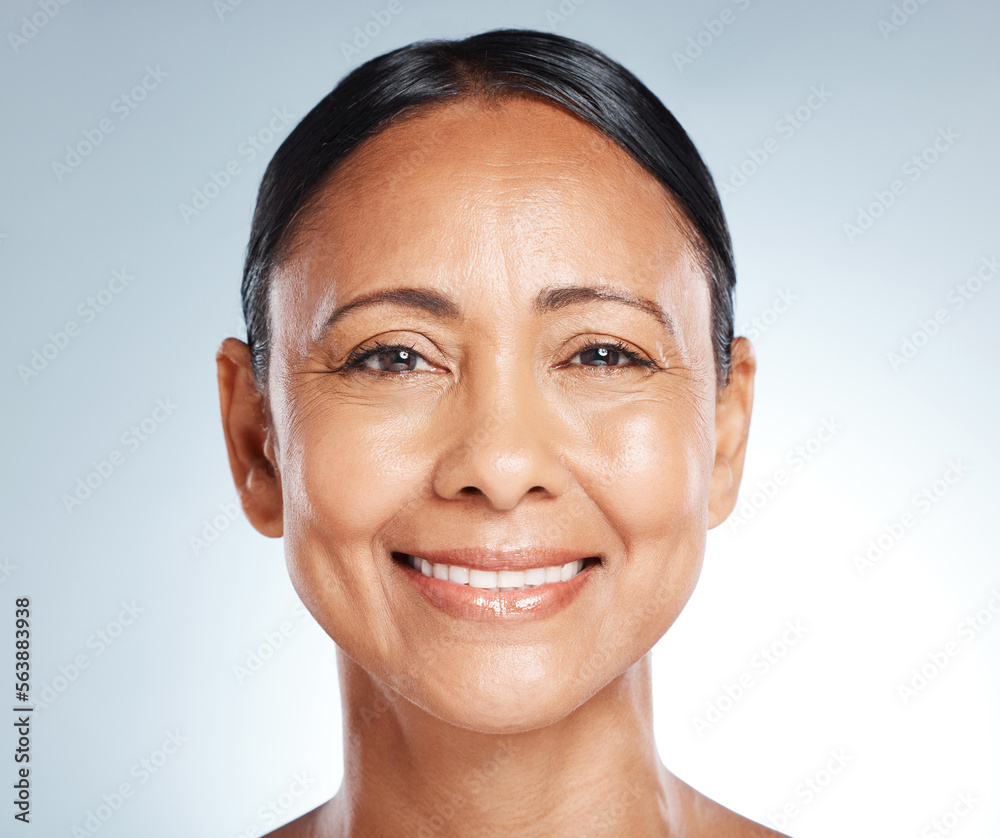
(482, 604)
(511, 558)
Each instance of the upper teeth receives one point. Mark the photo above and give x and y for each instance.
(497, 580)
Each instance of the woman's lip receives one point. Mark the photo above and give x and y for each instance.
(483, 604)
(513, 558)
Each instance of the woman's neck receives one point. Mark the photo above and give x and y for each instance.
(597, 771)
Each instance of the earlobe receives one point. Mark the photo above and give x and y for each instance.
(732, 426)
(252, 458)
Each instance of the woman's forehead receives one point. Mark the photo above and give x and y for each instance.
(467, 157)
(517, 195)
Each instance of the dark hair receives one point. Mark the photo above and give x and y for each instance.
(490, 66)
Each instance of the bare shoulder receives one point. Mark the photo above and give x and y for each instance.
(315, 823)
(700, 815)
(706, 817)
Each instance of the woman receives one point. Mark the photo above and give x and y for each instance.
(491, 399)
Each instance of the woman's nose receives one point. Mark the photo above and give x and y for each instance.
(503, 444)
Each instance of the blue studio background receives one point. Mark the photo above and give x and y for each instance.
(838, 668)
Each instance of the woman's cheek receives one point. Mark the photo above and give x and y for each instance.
(648, 470)
(353, 474)
(655, 500)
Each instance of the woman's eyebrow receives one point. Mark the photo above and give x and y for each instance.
(435, 302)
(548, 299)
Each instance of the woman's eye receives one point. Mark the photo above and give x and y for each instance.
(386, 359)
(610, 355)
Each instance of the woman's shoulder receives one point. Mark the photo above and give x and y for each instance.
(695, 815)
(704, 816)
(313, 824)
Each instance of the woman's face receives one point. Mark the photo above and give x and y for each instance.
(518, 416)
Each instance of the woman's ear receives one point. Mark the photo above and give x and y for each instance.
(732, 425)
(252, 455)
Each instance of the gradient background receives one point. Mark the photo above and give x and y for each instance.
(824, 357)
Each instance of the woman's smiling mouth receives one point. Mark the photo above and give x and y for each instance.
(483, 585)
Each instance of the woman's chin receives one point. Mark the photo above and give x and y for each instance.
(504, 706)
(500, 719)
